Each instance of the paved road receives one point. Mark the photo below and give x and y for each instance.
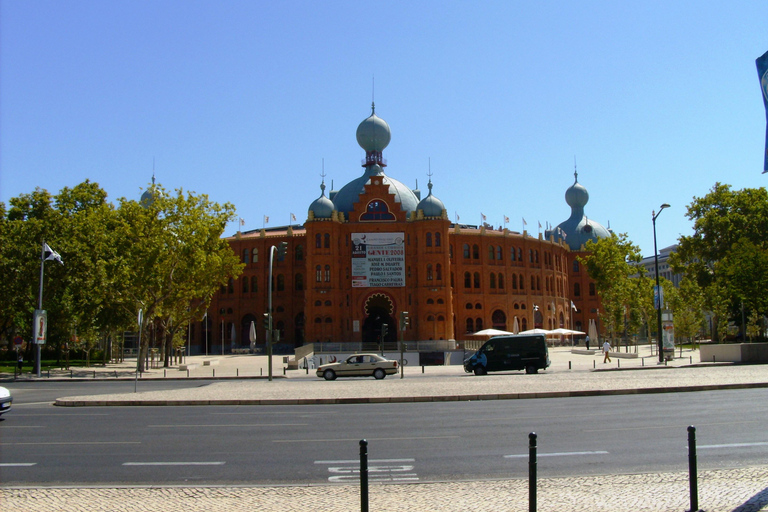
(743, 488)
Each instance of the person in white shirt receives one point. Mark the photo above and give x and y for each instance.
(606, 351)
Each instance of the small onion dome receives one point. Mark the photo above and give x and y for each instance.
(322, 207)
(373, 133)
(578, 229)
(149, 195)
(431, 205)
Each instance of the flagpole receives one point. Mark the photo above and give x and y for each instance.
(39, 307)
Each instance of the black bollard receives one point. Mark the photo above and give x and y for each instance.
(532, 472)
(363, 475)
(692, 470)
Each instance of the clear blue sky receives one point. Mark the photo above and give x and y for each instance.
(242, 100)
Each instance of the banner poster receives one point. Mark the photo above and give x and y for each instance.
(40, 326)
(762, 72)
(378, 260)
(668, 340)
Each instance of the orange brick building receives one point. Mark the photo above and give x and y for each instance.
(375, 250)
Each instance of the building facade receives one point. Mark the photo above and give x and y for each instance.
(374, 251)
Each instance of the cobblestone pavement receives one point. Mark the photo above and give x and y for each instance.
(733, 490)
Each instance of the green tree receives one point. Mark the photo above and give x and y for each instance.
(610, 264)
(726, 255)
(172, 258)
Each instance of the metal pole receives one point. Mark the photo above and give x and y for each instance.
(658, 286)
(692, 470)
(272, 251)
(363, 475)
(532, 472)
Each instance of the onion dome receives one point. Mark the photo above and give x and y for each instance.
(373, 133)
(322, 207)
(578, 229)
(149, 195)
(431, 205)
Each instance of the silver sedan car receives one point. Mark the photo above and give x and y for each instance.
(359, 365)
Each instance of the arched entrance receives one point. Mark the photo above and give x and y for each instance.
(499, 320)
(378, 311)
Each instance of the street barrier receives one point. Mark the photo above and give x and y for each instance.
(363, 475)
(693, 476)
(532, 472)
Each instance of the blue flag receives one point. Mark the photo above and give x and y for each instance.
(762, 72)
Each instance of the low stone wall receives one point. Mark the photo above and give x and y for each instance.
(734, 353)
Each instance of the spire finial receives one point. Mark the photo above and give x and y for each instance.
(575, 172)
(373, 94)
(153, 170)
(322, 174)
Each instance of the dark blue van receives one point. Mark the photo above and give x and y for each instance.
(514, 352)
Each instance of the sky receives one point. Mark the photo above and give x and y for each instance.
(251, 102)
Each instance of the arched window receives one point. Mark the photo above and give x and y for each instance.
(514, 281)
(245, 284)
(521, 282)
(501, 281)
(318, 303)
(318, 241)
(255, 255)
(299, 253)
(429, 272)
(437, 239)
(231, 286)
(519, 254)
(479, 324)
(470, 325)
(576, 290)
(477, 280)
(591, 289)
(318, 320)
(318, 273)
(467, 280)
(280, 282)
(478, 306)
(327, 303)
(469, 305)
(524, 324)
(530, 255)
(575, 266)
(491, 253)
(327, 240)
(298, 282)
(499, 253)
(327, 273)
(475, 252)
(466, 251)
(493, 281)
(512, 251)
(430, 301)
(538, 283)
(430, 318)
(254, 284)
(533, 283)
(439, 272)
(245, 256)
(429, 239)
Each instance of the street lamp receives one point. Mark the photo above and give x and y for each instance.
(658, 286)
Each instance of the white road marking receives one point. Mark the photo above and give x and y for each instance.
(734, 445)
(560, 454)
(379, 470)
(233, 425)
(426, 438)
(173, 463)
(17, 464)
(70, 443)
(353, 461)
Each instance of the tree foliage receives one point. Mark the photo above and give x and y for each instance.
(165, 257)
(727, 254)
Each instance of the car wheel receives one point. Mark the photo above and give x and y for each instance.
(531, 369)
(480, 370)
(329, 375)
(379, 374)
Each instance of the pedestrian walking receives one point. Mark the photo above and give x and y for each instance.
(606, 351)
(20, 361)
(586, 341)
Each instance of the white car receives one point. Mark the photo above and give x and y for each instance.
(359, 365)
(5, 400)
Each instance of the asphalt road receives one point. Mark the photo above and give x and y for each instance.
(45, 445)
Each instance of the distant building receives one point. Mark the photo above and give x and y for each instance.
(375, 249)
(665, 271)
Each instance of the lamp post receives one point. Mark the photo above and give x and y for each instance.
(658, 286)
